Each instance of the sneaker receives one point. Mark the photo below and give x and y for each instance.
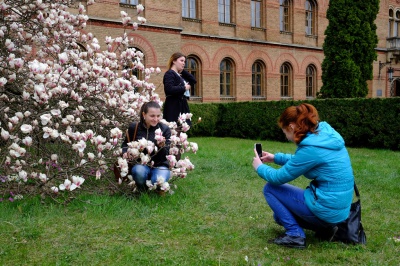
(291, 241)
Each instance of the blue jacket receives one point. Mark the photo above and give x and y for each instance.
(323, 158)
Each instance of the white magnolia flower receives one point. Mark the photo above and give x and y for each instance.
(165, 186)
(45, 119)
(63, 57)
(144, 158)
(23, 175)
(68, 185)
(43, 178)
(3, 81)
(56, 112)
(25, 95)
(90, 156)
(5, 134)
(63, 104)
(26, 128)
(19, 115)
(98, 174)
(54, 157)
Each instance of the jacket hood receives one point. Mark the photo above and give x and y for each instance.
(324, 137)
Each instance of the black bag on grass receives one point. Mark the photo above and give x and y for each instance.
(351, 230)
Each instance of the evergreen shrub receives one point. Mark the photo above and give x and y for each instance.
(369, 123)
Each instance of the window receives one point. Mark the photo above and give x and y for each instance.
(256, 14)
(257, 79)
(310, 18)
(310, 82)
(189, 9)
(130, 2)
(396, 25)
(286, 81)
(192, 66)
(226, 77)
(285, 15)
(224, 11)
(391, 22)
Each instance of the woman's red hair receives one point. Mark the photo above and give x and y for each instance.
(304, 116)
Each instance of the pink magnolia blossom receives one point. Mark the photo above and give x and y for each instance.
(142, 20)
(68, 185)
(5, 134)
(139, 8)
(27, 141)
(80, 146)
(78, 180)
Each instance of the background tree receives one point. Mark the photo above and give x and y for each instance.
(349, 48)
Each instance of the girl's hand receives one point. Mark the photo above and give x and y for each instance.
(256, 160)
(267, 157)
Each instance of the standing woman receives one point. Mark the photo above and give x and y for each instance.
(321, 157)
(150, 115)
(176, 82)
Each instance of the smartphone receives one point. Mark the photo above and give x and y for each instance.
(258, 148)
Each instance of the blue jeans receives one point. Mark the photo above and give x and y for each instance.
(141, 173)
(290, 211)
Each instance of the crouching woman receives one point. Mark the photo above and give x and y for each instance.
(321, 157)
(150, 116)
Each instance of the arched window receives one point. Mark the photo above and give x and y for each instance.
(391, 23)
(192, 66)
(257, 80)
(286, 81)
(226, 69)
(311, 82)
(285, 15)
(310, 17)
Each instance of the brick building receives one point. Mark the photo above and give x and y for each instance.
(246, 50)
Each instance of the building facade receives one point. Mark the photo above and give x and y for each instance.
(246, 50)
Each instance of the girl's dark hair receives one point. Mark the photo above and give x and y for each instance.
(145, 109)
(174, 57)
(304, 116)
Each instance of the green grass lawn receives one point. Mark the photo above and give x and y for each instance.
(217, 216)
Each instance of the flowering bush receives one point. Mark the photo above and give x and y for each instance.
(65, 102)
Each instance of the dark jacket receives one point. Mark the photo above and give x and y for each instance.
(159, 158)
(174, 88)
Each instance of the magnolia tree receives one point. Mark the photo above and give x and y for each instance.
(65, 103)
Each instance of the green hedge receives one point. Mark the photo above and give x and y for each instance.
(369, 123)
